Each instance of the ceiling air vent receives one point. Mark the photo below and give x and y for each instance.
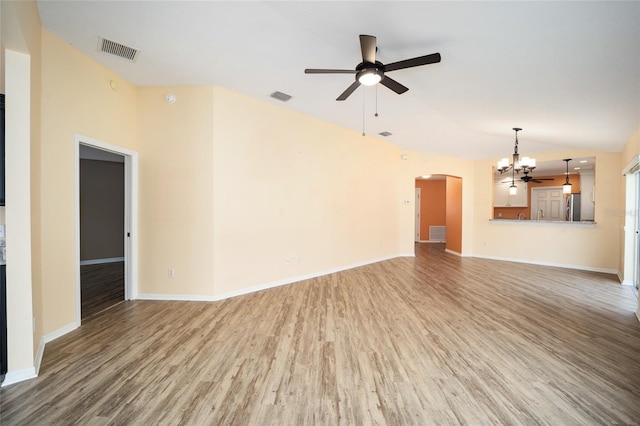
(116, 49)
(385, 134)
(281, 96)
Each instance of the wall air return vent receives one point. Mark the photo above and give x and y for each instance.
(116, 49)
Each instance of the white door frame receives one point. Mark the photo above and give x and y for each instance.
(630, 263)
(130, 216)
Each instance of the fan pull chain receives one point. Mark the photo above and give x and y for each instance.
(376, 114)
(363, 133)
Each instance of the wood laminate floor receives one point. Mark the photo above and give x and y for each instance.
(101, 287)
(435, 339)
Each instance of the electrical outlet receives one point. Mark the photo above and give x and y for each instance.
(287, 261)
(172, 273)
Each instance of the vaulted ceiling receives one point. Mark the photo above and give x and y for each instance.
(568, 73)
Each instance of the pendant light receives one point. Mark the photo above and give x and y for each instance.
(566, 188)
(513, 189)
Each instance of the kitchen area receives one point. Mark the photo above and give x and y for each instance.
(560, 191)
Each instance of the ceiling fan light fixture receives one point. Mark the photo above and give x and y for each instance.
(370, 76)
(513, 189)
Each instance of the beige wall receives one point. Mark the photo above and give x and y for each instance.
(291, 187)
(176, 190)
(76, 99)
(591, 247)
(630, 150)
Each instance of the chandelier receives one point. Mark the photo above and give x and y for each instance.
(517, 164)
(525, 164)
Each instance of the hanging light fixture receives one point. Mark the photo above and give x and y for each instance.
(566, 188)
(513, 189)
(517, 164)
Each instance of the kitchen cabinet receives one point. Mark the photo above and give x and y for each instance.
(502, 198)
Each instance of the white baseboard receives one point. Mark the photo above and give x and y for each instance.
(48, 338)
(638, 315)
(406, 255)
(206, 298)
(625, 282)
(432, 241)
(557, 265)
(452, 252)
(176, 297)
(100, 261)
(13, 377)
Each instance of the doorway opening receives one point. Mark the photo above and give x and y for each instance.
(438, 212)
(102, 260)
(106, 208)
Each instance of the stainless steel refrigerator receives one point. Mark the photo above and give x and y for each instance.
(573, 208)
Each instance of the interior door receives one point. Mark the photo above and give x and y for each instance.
(547, 203)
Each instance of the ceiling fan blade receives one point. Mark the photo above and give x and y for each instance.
(414, 62)
(393, 85)
(368, 48)
(349, 91)
(323, 71)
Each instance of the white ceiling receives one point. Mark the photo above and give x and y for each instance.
(568, 73)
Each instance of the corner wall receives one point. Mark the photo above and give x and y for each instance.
(76, 99)
(454, 214)
(21, 75)
(295, 196)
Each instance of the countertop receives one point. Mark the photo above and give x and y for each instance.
(553, 222)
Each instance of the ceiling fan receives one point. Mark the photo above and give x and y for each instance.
(527, 178)
(370, 72)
